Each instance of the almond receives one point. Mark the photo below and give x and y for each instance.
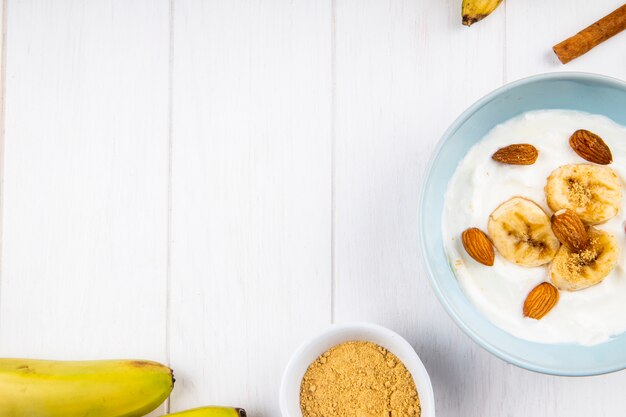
(540, 300)
(517, 154)
(570, 230)
(591, 147)
(478, 246)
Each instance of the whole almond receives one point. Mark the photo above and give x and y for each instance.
(540, 300)
(570, 230)
(478, 246)
(591, 147)
(517, 154)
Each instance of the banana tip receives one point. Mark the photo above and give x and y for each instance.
(470, 20)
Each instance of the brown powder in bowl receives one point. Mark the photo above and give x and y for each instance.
(358, 379)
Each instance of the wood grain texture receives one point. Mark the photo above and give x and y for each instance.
(85, 180)
(405, 70)
(299, 135)
(251, 188)
(532, 30)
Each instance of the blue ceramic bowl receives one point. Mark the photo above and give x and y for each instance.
(576, 91)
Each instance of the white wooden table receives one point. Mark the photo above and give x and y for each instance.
(209, 183)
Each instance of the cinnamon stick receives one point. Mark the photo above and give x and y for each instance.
(588, 38)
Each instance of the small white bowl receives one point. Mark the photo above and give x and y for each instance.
(339, 333)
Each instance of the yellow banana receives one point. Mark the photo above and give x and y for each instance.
(212, 412)
(475, 10)
(109, 388)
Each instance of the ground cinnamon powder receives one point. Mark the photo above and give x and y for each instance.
(358, 379)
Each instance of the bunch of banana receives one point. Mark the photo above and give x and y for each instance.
(212, 412)
(108, 388)
(475, 10)
(521, 231)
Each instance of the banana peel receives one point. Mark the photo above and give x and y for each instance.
(106, 388)
(476, 10)
(211, 412)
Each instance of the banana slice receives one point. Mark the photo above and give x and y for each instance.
(573, 271)
(593, 192)
(520, 230)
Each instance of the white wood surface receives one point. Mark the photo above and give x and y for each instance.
(84, 222)
(251, 195)
(209, 183)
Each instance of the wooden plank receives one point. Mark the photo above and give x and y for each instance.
(405, 70)
(532, 30)
(251, 188)
(85, 180)
(3, 8)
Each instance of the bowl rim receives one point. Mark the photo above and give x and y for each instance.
(422, 380)
(458, 122)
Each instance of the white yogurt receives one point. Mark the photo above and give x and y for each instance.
(479, 185)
